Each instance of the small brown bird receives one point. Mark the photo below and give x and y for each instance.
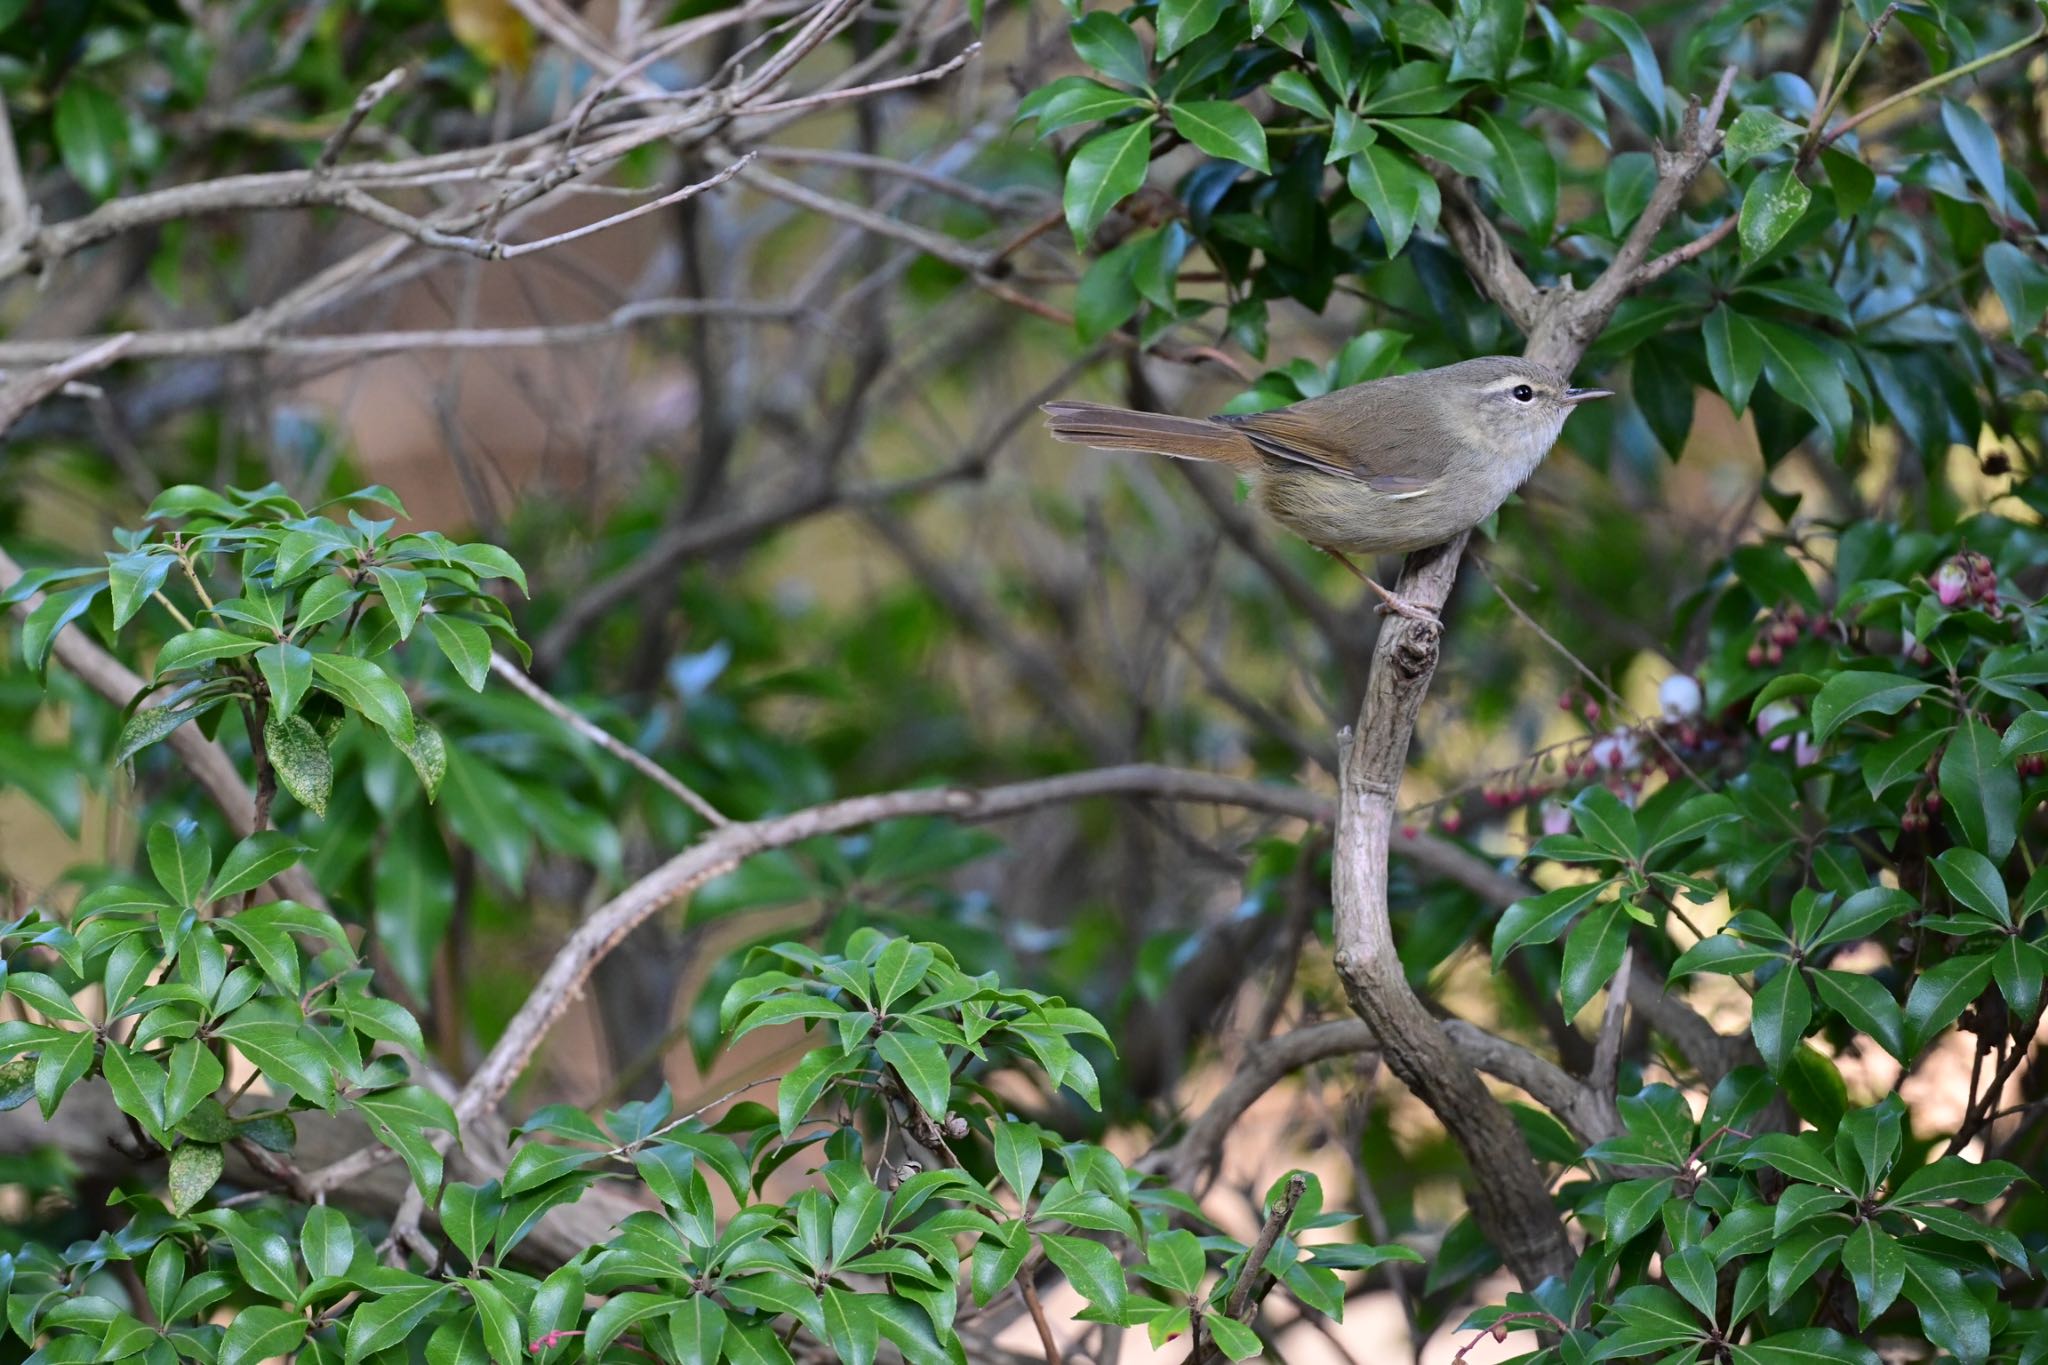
(1383, 467)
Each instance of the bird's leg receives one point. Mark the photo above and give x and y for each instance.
(1390, 603)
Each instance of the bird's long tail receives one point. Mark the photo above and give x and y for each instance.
(1185, 438)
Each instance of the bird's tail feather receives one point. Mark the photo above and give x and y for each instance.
(1107, 428)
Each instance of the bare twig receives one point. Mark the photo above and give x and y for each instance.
(1605, 1074)
(840, 96)
(373, 94)
(1932, 83)
(725, 848)
(1255, 1259)
(510, 672)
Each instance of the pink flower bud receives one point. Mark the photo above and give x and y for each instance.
(1557, 819)
(1951, 582)
(1805, 752)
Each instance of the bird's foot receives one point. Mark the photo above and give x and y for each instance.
(1392, 604)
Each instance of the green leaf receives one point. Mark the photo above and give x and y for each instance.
(1541, 918)
(921, 1063)
(1233, 1338)
(367, 689)
(326, 1242)
(301, 760)
(1852, 182)
(1757, 130)
(469, 1214)
(1630, 180)
(1460, 146)
(389, 1318)
(400, 1117)
(50, 616)
(1109, 45)
(1527, 174)
(1877, 1269)
(1803, 372)
(1174, 1261)
(255, 861)
(1974, 881)
(205, 645)
(1019, 1157)
(697, 1330)
(259, 1333)
(92, 137)
(1978, 145)
(1952, 1317)
(1632, 1205)
(404, 592)
(1090, 1267)
(1488, 35)
(1778, 1017)
(428, 754)
(1592, 954)
(1866, 1004)
(1649, 76)
(1953, 1178)
(1891, 762)
(1104, 170)
(181, 860)
(1600, 816)
(1394, 189)
(1794, 1261)
(2022, 285)
(488, 561)
(151, 724)
(287, 671)
(195, 1168)
(1805, 1346)
(60, 1064)
(1814, 1087)
(195, 1073)
(1942, 993)
(850, 1328)
(1223, 129)
(1861, 693)
(466, 645)
(1077, 99)
(1691, 1272)
(134, 578)
(1180, 22)
(281, 1052)
(1980, 790)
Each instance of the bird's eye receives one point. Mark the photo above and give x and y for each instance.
(1524, 394)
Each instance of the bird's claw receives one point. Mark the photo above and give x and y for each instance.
(1392, 604)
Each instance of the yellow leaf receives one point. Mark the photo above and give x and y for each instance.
(496, 32)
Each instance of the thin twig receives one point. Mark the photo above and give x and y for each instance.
(603, 739)
(373, 94)
(1913, 92)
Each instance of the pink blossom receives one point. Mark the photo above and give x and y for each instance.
(1615, 751)
(1805, 752)
(1771, 717)
(1557, 819)
(1679, 697)
(1951, 583)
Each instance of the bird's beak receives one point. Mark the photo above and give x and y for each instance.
(1574, 397)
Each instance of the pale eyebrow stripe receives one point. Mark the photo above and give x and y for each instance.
(1503, 385)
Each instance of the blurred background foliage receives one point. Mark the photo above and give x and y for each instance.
(789, 531)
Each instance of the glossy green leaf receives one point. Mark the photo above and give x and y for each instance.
(1221, 128)
(1106, 168)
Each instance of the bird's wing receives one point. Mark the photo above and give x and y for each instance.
(1384, 453)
